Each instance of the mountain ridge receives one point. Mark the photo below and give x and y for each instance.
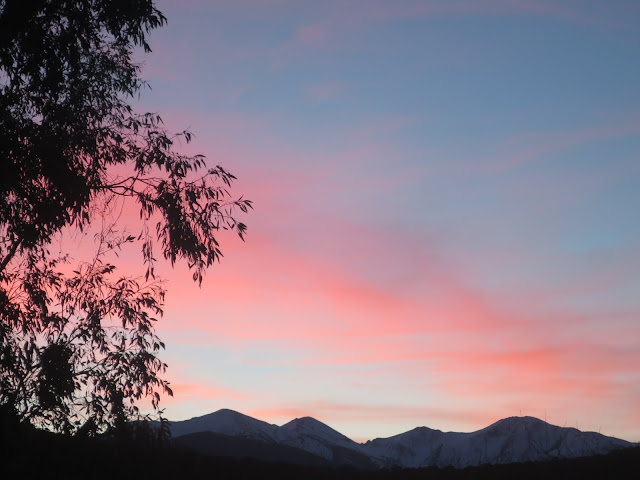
(508, 440)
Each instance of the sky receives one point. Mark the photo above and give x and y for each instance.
(446, 228)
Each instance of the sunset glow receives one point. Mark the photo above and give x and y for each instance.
(446, 228)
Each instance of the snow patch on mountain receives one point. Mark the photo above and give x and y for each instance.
(514, 439)
(227, 422)
(314, 436)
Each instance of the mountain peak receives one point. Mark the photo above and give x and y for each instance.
(226, 412)
(222, 413)
(311, 426)
(315, 437)
(424, 429)
(227, 422)
(305, 422)
(512, 439)
(518, 423)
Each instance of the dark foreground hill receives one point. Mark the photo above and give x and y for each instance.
(28, 453)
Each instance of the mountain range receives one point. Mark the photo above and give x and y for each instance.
(308, 441)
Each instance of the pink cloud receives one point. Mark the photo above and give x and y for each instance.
(192, 397)
(291, 284)
(188, 392)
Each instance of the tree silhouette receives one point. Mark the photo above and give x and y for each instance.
(78, 348)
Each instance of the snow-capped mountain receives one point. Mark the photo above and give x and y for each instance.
(514, 439)
(313, 436)
(227, 422)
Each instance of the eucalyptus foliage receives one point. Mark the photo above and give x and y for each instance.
(78, 350)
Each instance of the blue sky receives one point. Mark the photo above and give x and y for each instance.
(446, 228)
